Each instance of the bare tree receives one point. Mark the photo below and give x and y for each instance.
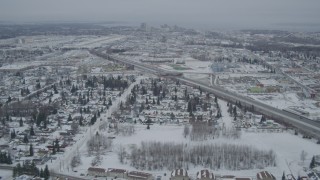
(158, 155)
(74, 127)
(96, 160)
(98, 143)
(75, 161)
(303, 156)
(125, 129)
(186, 131)
(121, 153)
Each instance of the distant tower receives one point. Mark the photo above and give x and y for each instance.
(143, 27)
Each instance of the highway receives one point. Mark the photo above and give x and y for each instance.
(302, 123)
(305, 124)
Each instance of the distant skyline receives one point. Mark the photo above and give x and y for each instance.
(233, 14)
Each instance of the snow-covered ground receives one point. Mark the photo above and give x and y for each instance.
(288, 148)
(5, 174)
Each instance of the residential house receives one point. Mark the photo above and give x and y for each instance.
(92, 171)
(117, 173)
(265, 175)
(242, 178)
(135, 175)
(179, 174)
(228, 177)
(205, 175)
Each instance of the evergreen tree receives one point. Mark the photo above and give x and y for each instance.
(163, 93)
(46, 173)
(263, 119)
(3, 121)
(14, 172)
(40, 118)
(141, 107)
(172, 116)
(45, 124)
(143, 90)
(55, 89)
(158, 101)
(9, 160)
(189, 109)
(21, 122)
(9, 99)
(81, 121)
(283, 176)
(69, 118)
(57, 146)
(54, 149)
(312, 163)
(235, 111)
(93, 119)
(19, 169)
(25, 139)
(185, 93)
(32, 131)
(38, 86)
(31, 150)
(41, 173)
(13, 134)
(73, 89)
(121, 105)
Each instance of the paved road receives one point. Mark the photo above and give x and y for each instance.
(52, 174)
(304, 124)
(67, 177)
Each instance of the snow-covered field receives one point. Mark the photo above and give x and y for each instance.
(288, 148)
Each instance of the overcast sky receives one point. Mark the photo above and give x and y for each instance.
(210, 13)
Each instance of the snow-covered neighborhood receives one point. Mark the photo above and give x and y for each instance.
(158, 103)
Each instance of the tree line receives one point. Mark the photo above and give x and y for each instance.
(159, 155)
(31, 169)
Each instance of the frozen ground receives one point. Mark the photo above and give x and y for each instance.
(287, 147)
(5, 174)
(289, 101)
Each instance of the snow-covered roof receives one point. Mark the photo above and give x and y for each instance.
(117, 170)
(179, 172)
(264, 175)
(93, 169)
(205, 174)
(138, 174)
